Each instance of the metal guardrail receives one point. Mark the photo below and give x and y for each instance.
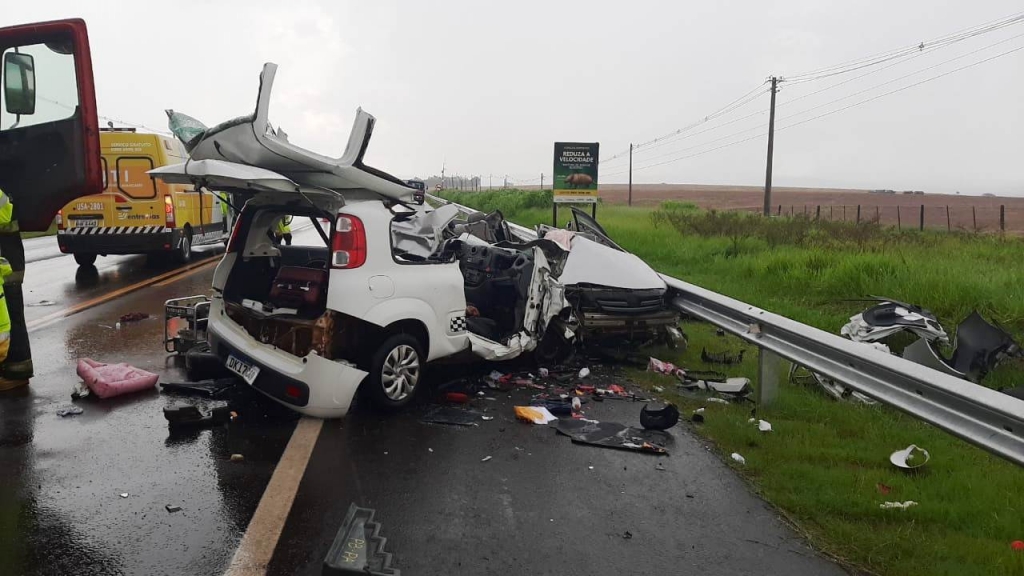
(984, 417)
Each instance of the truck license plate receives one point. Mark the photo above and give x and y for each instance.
(86, 223)
(247, 371)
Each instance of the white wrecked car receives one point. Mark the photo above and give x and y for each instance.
(386, 293)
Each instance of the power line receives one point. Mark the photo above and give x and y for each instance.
(829, 113)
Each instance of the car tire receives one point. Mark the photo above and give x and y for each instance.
(396, 371)
(184, 251)
(85, 259)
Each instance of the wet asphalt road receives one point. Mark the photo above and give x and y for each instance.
(535, 508)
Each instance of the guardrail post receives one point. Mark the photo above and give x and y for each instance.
(768, 364)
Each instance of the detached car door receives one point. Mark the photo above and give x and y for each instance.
(49, 138)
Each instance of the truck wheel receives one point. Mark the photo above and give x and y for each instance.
(184, 251)
(395, 372)
(85, 259)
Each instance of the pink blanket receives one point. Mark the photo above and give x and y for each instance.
(108, 380)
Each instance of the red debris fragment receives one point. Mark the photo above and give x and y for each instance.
(616, 389)
(134, 317)
(1017, 545)
(456, 397)
(883, 489)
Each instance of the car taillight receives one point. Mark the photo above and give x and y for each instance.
(233, 241)
(60, 219)
(349, 242)
(168, 210)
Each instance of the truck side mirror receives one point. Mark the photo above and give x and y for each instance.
(19, 83)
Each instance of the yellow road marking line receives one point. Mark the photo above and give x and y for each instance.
(168, 276)
(260, 539)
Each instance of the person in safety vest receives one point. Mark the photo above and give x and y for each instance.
(15, 354)
(225, 209)
(283, 230)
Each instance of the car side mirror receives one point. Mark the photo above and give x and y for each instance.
(19, 83)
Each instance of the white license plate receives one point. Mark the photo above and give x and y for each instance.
(86, 223)
(247, 371)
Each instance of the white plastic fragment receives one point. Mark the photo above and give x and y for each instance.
(124, 494)
(584, 372)
(718, 401)
(485, 459)
(736, 456)
(900, 505)
(910, 457)
(659, 389)
(543, 372)
(764, 426)
(487, 418)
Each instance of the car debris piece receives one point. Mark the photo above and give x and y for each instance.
(614, 435)
(237, 458)
(660, 467)
(698, 416)
(487, 418)
(109, 380)
(717, 401)
(627, 535)
(1017, 545)
(888, 317)
(69, 411)
(883, 488)
(133, 317)
(202, 364)
(486, 459)
(764, 426)
(720, 357)
(193, 417)
(451, 415)
(534, 414)
(543, 372)
(661, 367)
(899, 505)
(910, 457)
(172, 509)
(738, 385)
(737, 457)
(659, 418)
(558, 407)
(211, 388)
(584, 372)
(980, 348)
(123, 494)
(456, 397)
(358, 548)
(802, 376)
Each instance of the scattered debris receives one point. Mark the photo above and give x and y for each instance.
(883, 489)
(534, 414)
(659, 466)
(627, 535)
(485, 459)
(123, 494)
(109, 380)
(487, 418)
(659, 389)
(584, 372)
(193, 417)
(172, 509)
(731, 386)
(451, 415)
(69, 411)
(719, 332)
(698, 416)
(543, 372)
(736, 456)
(657, 418)
(764, 426)
(577, 404)
(590, 467)
(910, 457)
(237, 458)
(720, 357)
(456, 397)
(667, 368)
(613, 435)
(80, 390)
(900, 505)
(717, 400)
(206, 388)
(134, 317)
(1017, 545)
(42, 303)
(431, 450)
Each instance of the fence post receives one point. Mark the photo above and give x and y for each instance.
(899, 224)
(1002, 217)
(768, 364)
(830, 213)
(949, 228)
(974, 214)
(922, 216)
(878, 215)
(817, 213)
(844, 212)
(780, 210)
(792, 210)
(858, 214)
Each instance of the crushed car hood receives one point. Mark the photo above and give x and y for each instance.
(590, 263)
(252, 141)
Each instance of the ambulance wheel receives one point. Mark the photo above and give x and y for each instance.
(184, 250)
(85, 259)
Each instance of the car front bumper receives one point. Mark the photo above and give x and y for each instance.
(319, 387)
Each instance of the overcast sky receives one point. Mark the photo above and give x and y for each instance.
(488, 88)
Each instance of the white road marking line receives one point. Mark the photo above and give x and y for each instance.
(260, 538)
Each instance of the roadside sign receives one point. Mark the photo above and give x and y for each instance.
(437, 187)
(575, 173)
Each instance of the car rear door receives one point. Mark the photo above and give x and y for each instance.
(49, 138)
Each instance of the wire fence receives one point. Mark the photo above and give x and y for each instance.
(979, 219)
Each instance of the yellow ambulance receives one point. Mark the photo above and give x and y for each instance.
(137, 214)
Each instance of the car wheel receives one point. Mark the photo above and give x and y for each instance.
(184, 251)
(85, 259)
(396, 372)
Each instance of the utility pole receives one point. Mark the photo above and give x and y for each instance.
(630, 203)
(490, 183)
(771, 148)
(541, 180)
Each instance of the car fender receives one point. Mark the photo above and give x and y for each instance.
(442, 343)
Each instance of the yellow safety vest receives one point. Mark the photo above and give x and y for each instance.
(7, 224)
(283, 225)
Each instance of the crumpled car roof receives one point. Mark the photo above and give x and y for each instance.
(251, 140)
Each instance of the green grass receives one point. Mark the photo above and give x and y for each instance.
(52, 230)
(822, 463)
